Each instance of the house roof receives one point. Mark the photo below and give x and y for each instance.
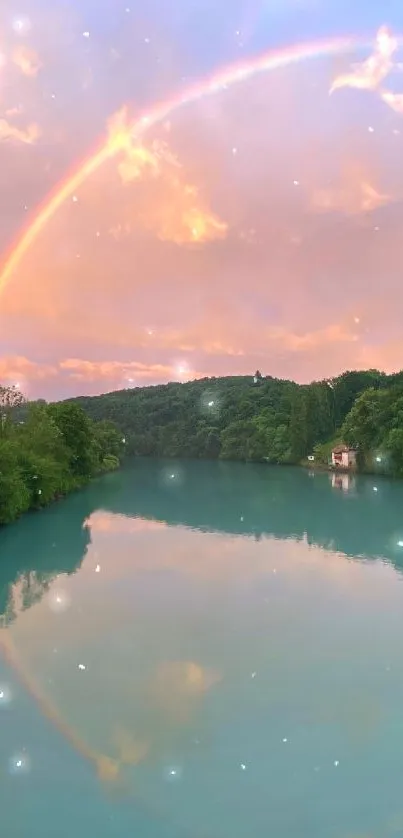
(342, 449)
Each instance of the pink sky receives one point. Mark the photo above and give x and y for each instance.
(259, 228)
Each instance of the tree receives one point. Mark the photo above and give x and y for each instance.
(75, 426)
(107, 440)
(10, 399)
(299, 431)
(394, 447)
(54, 450)
(348, 386)
(14, 495)
(229, 417)
(364, 425)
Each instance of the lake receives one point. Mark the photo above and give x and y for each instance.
(204, 650)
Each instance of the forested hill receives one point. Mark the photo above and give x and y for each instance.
(257, 418)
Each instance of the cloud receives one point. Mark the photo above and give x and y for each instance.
(104, 522)
(290, 341)
(369, 74)
(244, 302)
(14, 111)
(393, 100)
(352, 199)
(10, 132)
(15, 368)
(177, 213)
(27, 61)
(90, 371)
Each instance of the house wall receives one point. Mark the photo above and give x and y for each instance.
(347, 459)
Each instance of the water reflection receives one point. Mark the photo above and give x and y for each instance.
(213, 632)
(343, 482)
(226, 498)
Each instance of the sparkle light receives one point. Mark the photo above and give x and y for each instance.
(5, 695)
(173, 773)
(172, 478)
(210, 402)
(21, 25)
(182, 369)
(59, 601)
(19, 763)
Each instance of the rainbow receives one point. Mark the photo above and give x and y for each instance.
(231, 75)
(107, 769)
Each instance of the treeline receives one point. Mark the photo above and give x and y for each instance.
(47, 451)
(260, 418)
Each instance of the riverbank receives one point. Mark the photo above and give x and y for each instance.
(326, 467)
(54, 451)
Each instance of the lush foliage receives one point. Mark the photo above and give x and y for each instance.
(375, 424)
(51, 451)
(250, 418)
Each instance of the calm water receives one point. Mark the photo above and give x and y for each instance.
(204, 650)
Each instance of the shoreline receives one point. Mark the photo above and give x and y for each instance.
(33, 510)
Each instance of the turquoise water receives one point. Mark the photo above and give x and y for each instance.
(204, 650)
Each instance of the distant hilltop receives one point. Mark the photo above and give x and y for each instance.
(263, 419)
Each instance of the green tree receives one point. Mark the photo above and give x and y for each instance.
(348, 386)
(364, 425)
(107, 441)
(75, 427)
(14, 495)
(10, 400)
(393, 444)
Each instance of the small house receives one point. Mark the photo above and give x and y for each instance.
(343, 456)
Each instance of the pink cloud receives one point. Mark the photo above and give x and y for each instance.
(27, 60)
(10, 132)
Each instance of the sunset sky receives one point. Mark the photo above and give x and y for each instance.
(255, 225)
